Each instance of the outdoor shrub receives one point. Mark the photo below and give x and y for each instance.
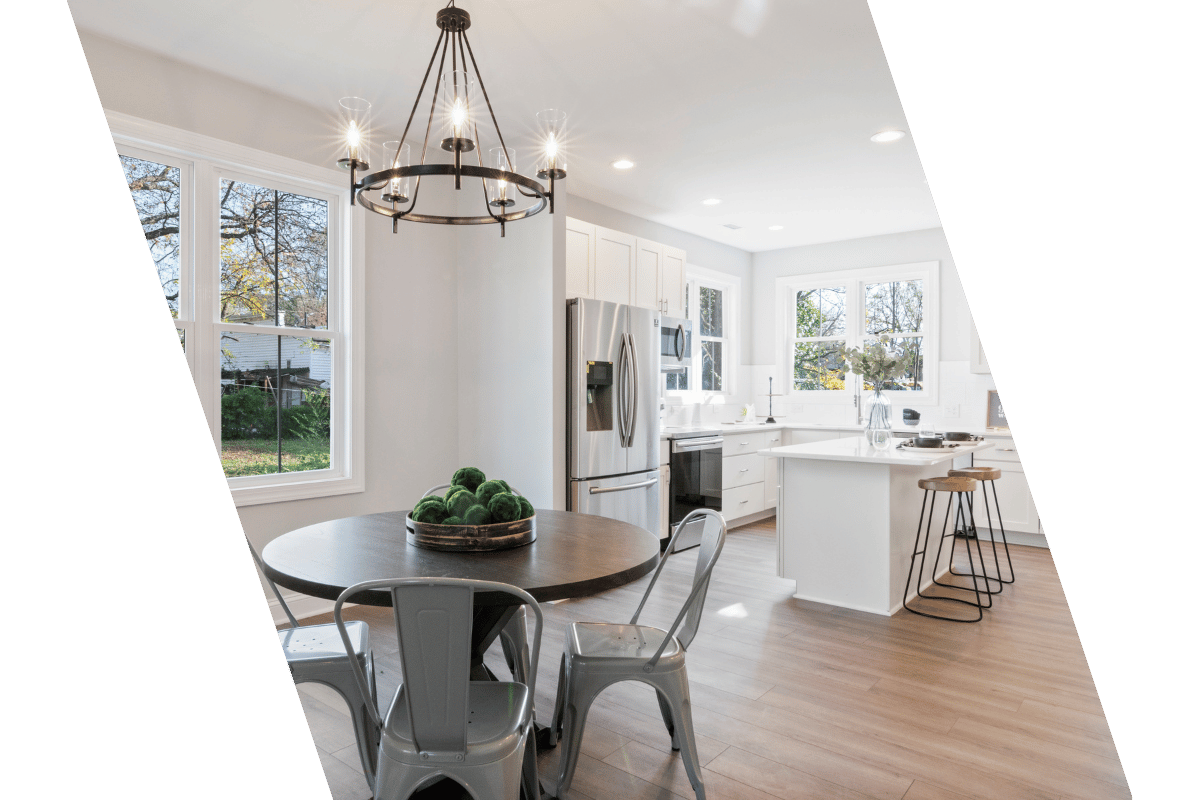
(246, 413)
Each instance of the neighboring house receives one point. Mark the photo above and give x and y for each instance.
(289, 363)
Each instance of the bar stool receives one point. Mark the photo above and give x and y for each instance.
(987, 475)
(952, 486)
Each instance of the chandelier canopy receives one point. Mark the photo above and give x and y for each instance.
(455, 103)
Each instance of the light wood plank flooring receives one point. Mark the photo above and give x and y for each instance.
(793, 699)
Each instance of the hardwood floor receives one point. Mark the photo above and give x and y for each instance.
(793, 699)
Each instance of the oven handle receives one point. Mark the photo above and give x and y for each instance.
(642, 485)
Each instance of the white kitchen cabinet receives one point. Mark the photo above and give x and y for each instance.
(613, 276)
(604, 264)
(581, 258)
(1016, 501)
(771, 470)
(646, 275)
(673, 282)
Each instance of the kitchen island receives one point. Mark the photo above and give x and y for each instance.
(847, 518)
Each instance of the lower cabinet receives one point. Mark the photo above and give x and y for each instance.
(1016, 501)
(664, 501)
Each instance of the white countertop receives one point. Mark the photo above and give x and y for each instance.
(857, 449)
(740, 427)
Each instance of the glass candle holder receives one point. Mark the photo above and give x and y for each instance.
(552, 160)
(499, 192)
(396, 154)
(356, 113)
(457, 94)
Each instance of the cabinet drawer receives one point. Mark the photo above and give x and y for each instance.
(741, 501)
(738, 443)
(741, 470)
(773, 439)
(1004, 450)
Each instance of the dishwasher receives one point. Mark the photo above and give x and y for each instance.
(695, 481)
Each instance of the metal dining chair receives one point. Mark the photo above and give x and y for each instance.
(319, 654)
(597, 655)
(514, 637)
(441, 724)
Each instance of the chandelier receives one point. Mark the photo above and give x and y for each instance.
(456, 106)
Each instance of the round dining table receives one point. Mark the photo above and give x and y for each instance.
(574, 555)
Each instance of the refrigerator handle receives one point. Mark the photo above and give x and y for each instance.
(625, 488)
(622, 385)
(634, 381)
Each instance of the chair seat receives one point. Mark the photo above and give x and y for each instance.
(493, 729)
(314, 645)
(604, 645)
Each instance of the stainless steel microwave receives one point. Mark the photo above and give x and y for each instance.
(675, 343)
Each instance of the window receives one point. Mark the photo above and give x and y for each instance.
(252, 252)
(710, 302)
(825, 312)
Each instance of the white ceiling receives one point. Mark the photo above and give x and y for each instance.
(767, 105)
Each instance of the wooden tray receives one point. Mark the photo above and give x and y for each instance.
(471, 538)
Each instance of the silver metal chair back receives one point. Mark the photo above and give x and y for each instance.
(688, 621)
(433, 620)
(262, 570)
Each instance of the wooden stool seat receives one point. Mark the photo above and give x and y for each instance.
(978, 473)
(948, 484)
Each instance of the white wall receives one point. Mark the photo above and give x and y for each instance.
(507, 352)
(411, 311)
(958, 386)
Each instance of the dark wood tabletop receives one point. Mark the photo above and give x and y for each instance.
(575, 555)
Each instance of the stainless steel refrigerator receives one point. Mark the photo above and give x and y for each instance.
(612, 411)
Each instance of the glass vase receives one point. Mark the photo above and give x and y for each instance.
(879, 420)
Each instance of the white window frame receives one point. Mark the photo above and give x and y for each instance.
(855, 281)
(731, 286)
(205, 161)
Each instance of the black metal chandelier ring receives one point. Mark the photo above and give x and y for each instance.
(377, 180)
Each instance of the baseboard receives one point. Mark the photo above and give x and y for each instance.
(749, 518)
(1016, 537)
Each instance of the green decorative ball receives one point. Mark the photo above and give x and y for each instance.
(505, 507)
(526, 508)
(469, 477)
(424, 501)
(477, 515)
(459, 502)
(453, 490)
(453, 520)
(489, 489)
(430, 512)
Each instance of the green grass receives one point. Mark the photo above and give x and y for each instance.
(258, 456)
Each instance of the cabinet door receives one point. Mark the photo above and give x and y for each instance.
(614, 265)
(770, 482)
(581, 259)
(647, 270)
(1016, 501)
(673, 282)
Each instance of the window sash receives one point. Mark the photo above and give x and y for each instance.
(855, 335)
(209, 160)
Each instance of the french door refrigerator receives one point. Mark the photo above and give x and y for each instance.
(612, 411)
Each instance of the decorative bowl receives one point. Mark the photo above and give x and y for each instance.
(471, 538)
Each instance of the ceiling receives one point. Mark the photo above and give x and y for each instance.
(767, 105)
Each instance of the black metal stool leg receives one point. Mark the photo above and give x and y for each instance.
(999, 581)
(919, 550)
(975, 577)
(1012, 575)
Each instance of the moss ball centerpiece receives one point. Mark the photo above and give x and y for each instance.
(475, 514)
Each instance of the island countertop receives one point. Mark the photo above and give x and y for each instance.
(858, 450)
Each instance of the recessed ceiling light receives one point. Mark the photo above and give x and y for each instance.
(712, 201)
(775, 228)
(887, 136)
(623, 163)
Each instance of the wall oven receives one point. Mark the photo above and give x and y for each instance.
(675, 343)
(695, 481)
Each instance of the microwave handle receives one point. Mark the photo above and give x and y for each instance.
(679, 341)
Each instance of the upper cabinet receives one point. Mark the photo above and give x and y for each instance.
(672, 285)
(609, 265)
